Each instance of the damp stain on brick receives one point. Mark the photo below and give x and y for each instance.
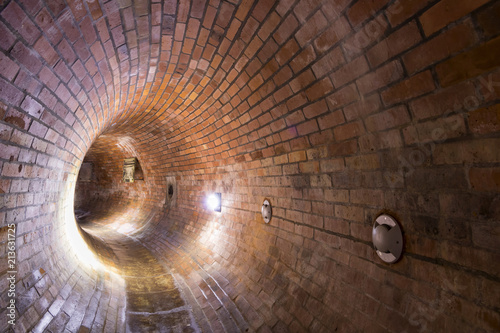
(17, 121)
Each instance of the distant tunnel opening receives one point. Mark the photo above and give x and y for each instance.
(107, 206)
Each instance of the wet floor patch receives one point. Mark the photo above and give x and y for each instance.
(154, 301)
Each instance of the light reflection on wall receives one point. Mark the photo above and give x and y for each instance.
(76, 243)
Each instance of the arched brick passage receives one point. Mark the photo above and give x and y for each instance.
(335, 111)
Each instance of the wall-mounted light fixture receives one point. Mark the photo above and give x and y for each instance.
(387, 238)
(214, 202)
(266, 211)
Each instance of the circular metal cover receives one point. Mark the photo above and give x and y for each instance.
(266, 210)
(387, 238)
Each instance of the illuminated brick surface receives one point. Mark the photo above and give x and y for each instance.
(335, 111)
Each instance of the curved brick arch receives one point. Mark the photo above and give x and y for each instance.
(334, 111)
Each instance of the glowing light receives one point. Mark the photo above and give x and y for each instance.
(78, 246)
(214, 202)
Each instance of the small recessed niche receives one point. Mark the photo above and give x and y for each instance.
(86, 172)
(132, 170)
(171, 191)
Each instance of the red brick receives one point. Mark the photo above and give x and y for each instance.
(43, 48)
(287, 52)
(311, 28)
(331, 120)
(26, 57)
(350, 213)
(401, 10)
(295, 118)
(410, 88)
(343, 149)
(364, 9)
(477, 151)
(485, 179)
(283, 94)
(365, 37)
(95, 9)
(380, 78)
(46, 23)
(394, 44)
(303, 59)
(97, 51)
(362, 108)
(315, 109)
(348, 131)
(3, 110)
(337, 225)
(441, 129)
(63, 71)
(332, 35)
(304, 8)
(77, 9)
(8, 68)
(443, 101)
(286, 28)
(12, 170)
(307, 127)
(333, 9)
(7, 39)
(485, 120)
(268, 26)
(470, 64)
(38, 129)
(319, 89)
(10, 94)
(328, 62)
(261, 9)
(342, 97)
(387, 119)
(302, 81)
(88, 32)
(487, 20)
(440, 47)
(297, 156)
(17, 118)
(350, 72)
(380, 140)
(446, 12)
(20, 22)
(32, 107)
(267, 51)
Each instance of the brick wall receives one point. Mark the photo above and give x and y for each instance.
(106, 194)
(335, 111)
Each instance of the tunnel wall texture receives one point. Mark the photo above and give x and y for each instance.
(335, 111)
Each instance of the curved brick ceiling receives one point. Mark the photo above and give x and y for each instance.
(335, 111)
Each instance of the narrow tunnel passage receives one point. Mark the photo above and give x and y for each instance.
(112, 213)
(333, 111)
(154, 302)
(115, 216)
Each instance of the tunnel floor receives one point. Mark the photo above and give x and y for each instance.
(154, 301)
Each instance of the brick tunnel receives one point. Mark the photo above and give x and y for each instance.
(336, 112)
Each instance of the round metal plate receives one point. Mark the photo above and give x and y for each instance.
(266, 210)
(387, 238)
